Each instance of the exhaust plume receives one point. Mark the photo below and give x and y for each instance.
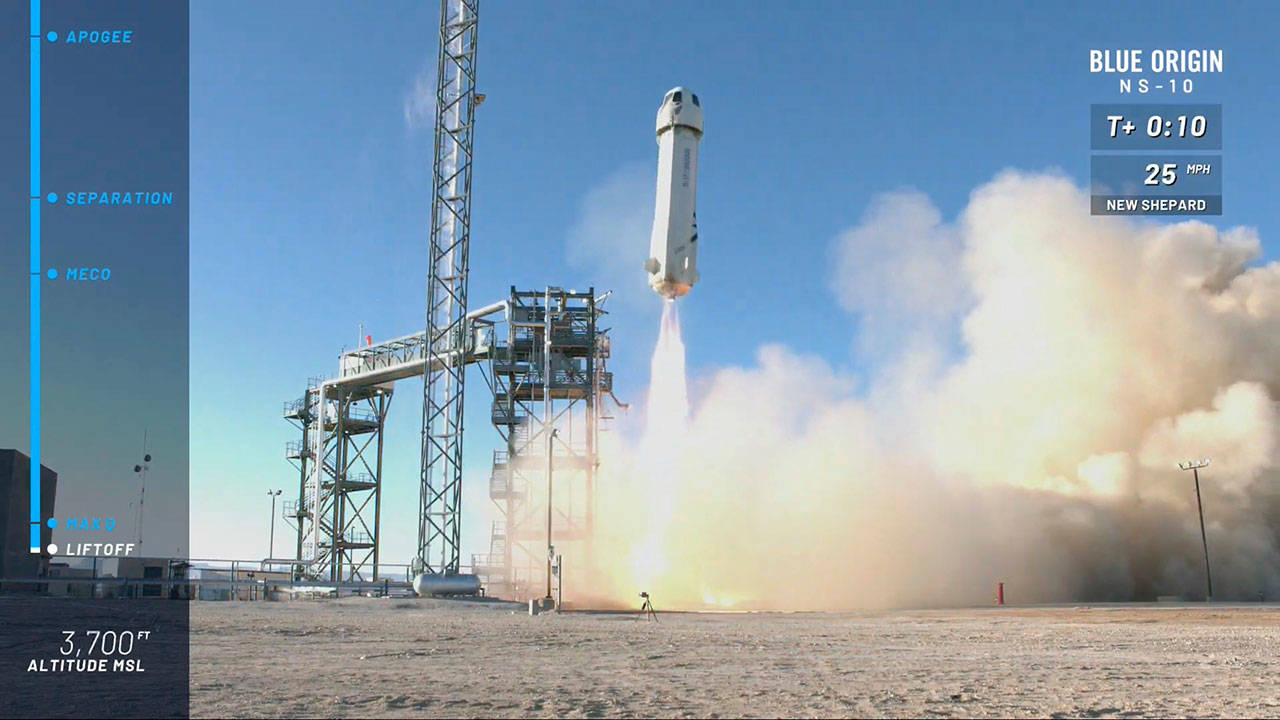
(1035, 375)
(662, 449)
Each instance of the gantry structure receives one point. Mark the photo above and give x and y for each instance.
(543, 355)
(548, 379)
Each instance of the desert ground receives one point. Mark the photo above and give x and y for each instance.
(366, 657)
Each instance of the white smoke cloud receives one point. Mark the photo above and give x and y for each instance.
(419, 100)
(1096, 353)
(1240, 430)
(611, 236)
(900, 271)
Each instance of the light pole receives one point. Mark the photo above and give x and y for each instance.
(551, 549)
(1194, 466)
(271, 553)
(141, 471)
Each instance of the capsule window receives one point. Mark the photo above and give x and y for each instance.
(695, 101)
(677, 97)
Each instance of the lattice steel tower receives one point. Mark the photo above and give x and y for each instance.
(440, 496)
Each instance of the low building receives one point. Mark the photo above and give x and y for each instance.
(125, 577)
(17, 562)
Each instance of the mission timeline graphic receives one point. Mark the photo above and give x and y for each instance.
(107, 203)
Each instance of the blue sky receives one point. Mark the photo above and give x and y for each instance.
(310, 170)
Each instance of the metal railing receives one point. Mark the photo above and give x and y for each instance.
(362, 479)
(295, 406)
(356, 537)
(294, 449)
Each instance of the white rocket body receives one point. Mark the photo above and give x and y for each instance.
(673, 247)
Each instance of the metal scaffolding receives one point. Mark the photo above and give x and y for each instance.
(339, 459)
(548, 379)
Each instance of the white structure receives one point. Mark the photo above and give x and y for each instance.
(673, 247)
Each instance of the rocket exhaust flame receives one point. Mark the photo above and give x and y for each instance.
(668, 390)
(667, 424)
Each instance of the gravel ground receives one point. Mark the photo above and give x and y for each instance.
(362, 657)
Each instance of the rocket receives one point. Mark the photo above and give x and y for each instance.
(673, 246)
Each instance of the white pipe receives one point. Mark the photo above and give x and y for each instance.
(489, 310)
(473, 315)
(317, 467)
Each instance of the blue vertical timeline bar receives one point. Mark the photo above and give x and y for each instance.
(35, 277)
